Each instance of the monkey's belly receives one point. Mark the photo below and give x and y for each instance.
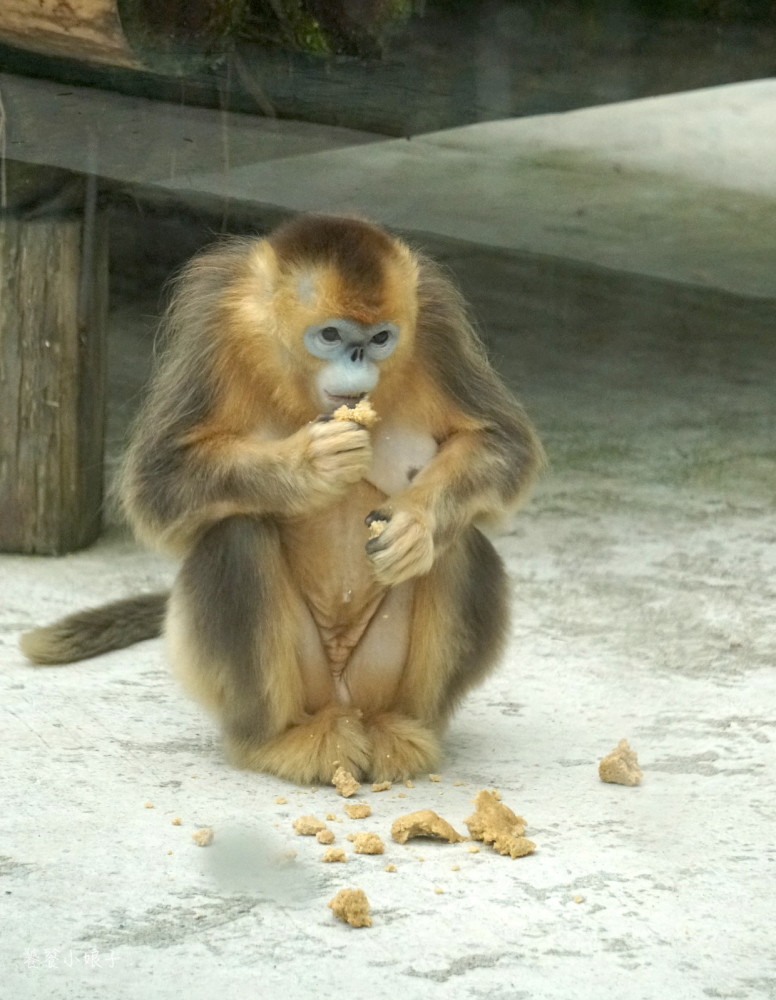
(354, 643)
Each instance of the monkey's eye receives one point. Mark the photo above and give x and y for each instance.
(381, 337)
(330, 334)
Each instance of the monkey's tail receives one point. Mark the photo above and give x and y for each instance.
(96, 630)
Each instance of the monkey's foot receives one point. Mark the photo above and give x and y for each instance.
(312, 751)
(401, 747)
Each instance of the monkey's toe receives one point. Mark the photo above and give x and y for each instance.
(401, 747)
(312, 751)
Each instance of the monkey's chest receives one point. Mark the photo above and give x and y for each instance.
(326, 557)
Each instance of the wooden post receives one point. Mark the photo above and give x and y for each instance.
(53, 308)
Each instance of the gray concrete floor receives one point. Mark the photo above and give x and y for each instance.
(643, 577)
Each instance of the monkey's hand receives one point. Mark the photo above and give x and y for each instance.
(403, 549)
(335, 454)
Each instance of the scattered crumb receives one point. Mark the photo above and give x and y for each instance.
(177, 821)
(345, 783)
(390, 868)
(424, 823)
(494, 823)
(382, 786)
(280, 801)
(438, 891)
(359, 810)
(203, 837)
(455, 868)
(473, 850)
(401, 795)
(368, 843)
(409, 784)
(308, 826)
(334, 854)
(459, 784)
(435, 777)
(376, 528)
(363, 413)
(621, 766)
(288, 855)
(579, 899)
(331, 817)
(169, 852)
(325, 836)
(352, 906)
(149, 805)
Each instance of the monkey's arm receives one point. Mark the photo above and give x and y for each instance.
(170, 491)
(476, 474)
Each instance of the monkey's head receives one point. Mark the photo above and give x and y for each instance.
(340, 309)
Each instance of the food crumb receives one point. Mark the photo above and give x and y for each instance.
(331, 817)
(435, 777)
(177, 821)
(352, 906)
(390, 868)
(455, 868)
(325, 836)
(423, 823)
(377, 527)
(494, 823)
(621, 766)
(459, 784)
(368, 843)
(438, 891)
(579, 899)
(203, 837)
(473, 850)
(280, 801)
(169, 852)
(359, 810)
(409, 784)
(382, 786)
(345, 783)
(332, 854)
(363, 413)
(148, 805)
(308, 826)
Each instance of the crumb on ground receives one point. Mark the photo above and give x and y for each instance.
(352, 906)
(367, 843)
(494, 823)
(423, 823)
(345, 783)
(359, 810)
(308, 826)
(332, 854)
(621, 766)
(203, 837)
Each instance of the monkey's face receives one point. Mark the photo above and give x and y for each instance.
(351, 352)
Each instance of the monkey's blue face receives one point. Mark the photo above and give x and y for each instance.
(352, 352)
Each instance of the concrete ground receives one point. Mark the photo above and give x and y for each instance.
(643, 574)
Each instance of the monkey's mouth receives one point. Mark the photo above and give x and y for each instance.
(337, 401)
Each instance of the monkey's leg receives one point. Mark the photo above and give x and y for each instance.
(240, 642)
(459, 624)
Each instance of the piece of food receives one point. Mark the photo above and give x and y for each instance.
(621, 766)
(325, 836)
(390, 868)
(367, 843)
(376, 528)
(345, 783)
(308, 826)
(203, 837)
(423, 823)
(435, 777)
(332, 854)
(494, 823)
(382, 786)
(363, 413)
(359, 810)
(352, 906)
(177, 821)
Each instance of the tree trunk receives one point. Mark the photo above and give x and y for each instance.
(53, 305)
